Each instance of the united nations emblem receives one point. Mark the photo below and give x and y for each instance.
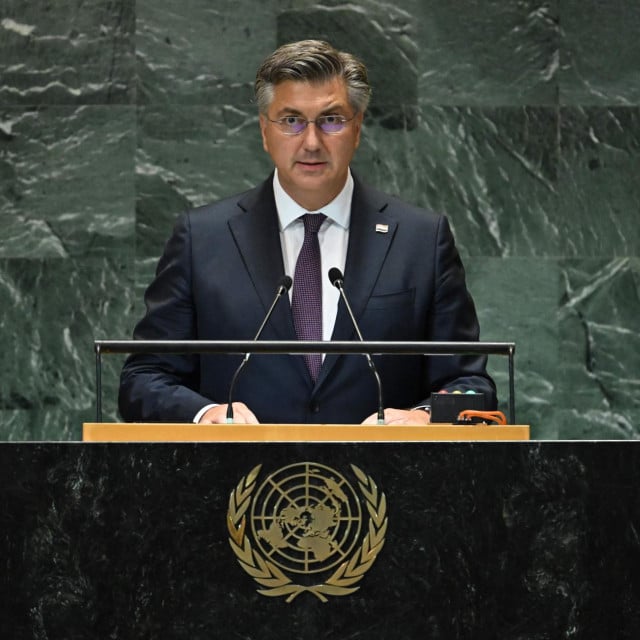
(303, 529)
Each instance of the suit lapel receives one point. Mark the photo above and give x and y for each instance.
(371, 232)
(257, 237)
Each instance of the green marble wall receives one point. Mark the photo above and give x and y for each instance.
(518, 118)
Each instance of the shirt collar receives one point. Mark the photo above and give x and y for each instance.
(338, 210)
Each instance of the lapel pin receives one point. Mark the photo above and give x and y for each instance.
(382, 228)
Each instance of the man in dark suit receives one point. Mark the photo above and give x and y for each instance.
(221, 267)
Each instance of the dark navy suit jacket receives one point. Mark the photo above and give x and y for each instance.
(219, 274)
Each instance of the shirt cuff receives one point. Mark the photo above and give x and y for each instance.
(202, 411)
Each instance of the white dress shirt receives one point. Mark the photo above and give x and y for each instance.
(333, 238)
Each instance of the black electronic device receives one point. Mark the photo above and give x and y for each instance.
(445, 407)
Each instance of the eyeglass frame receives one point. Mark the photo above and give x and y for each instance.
(343, 122)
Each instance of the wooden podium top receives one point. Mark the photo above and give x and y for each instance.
(178, 432)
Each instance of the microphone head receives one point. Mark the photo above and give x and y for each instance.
(335, 275)
(285, 283)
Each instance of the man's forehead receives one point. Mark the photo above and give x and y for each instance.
(321, 94)
(333, 84)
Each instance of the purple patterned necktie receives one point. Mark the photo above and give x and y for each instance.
(306, 301)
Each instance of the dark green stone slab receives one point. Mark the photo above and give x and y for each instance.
(501, 52)
(66, 52)
(68, 181)
(600, 54)
(599, 392)
(492, 171)
(517, 301)
(51, 312)
(599, 194)
(201, 52)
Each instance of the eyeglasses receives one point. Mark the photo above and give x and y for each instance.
(294, 125)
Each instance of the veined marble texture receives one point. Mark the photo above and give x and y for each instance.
(599, 61)
(67, 181)
(52, 310)
(65, 52)
(518, 119)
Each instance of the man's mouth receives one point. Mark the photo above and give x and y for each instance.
(311, 164)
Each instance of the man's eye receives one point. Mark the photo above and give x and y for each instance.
(292, 120)
(331, 119)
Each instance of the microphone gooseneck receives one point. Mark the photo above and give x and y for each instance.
(284, 285)
(337, 280)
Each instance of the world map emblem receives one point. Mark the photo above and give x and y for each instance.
(306, 528)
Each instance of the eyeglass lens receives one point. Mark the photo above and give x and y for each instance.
(328, 124)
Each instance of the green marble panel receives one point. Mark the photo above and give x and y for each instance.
(492, 171)
(599, 195)
(600, 53)
(600, 349)
(517, 301)
(45, 423)
(51, 311)
(67, 181)
(201, 52)
(496, 52)
(67, 52)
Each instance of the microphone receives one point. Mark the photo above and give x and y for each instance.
(284, 285)
(337, 280)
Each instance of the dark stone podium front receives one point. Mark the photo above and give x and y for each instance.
(483, 540)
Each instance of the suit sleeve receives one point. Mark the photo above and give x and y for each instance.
(161, 388)
(454, 318)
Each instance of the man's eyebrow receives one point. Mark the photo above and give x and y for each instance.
(290, 111)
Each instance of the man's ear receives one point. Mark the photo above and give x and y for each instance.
(358, 118)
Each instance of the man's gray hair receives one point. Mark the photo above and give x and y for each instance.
(312, 61)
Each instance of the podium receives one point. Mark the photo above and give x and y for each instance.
(282, 538)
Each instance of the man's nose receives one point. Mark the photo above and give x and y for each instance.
(312, 135)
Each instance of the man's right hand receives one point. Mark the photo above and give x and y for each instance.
(218, 414)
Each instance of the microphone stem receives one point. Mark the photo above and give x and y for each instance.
(379, 382)
(229, 419)
(281, 290)
(372, 366)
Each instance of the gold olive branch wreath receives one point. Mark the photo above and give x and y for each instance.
(277, 583)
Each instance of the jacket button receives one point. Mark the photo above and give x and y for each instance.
(314, 407)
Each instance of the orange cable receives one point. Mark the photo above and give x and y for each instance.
(491, 416)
